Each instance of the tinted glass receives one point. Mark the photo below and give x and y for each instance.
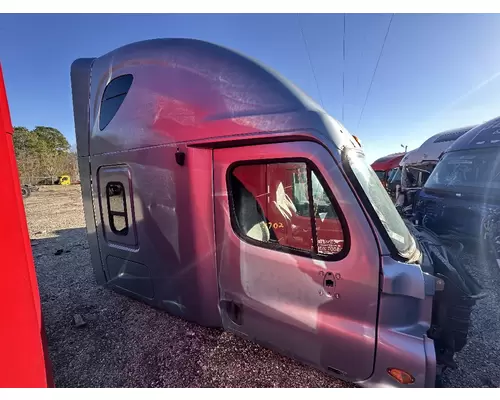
(109, 108)
(118, 86)
(468, 171)
(273, 205)
(395, 175)
(330, 236)
(380, 174)
(112, 99)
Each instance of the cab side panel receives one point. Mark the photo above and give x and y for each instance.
(91, 218)
(167, 257)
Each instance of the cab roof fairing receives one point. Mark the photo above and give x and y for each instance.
(387, 162)
(484, 135)
(80, 89)
(433, 147)
(186, 90)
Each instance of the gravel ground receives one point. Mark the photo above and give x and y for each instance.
(479, 361)
(128, 344)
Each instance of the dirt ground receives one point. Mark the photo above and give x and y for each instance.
(128, 344)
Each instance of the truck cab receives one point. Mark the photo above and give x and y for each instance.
(461, 197)
(386, 167)
(417, 165)
(215, 189)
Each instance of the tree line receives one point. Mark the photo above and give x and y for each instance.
(43, 154)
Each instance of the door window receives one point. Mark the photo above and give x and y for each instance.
(284, 205)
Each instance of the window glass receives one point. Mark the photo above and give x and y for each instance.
(395, 176)
(116, 196)
(380, 174)
(119, 224)
(299, 190)
(118, 86)
(329, 232)
(285, 205)
(468, 171)
(112, 98)
(382, 204)
(117, 208)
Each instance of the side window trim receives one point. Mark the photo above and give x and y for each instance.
(311, 167)
(312, 214)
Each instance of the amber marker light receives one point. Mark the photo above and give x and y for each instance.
(401, 376)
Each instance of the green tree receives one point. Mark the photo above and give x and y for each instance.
(51, 138)
(25, 141)
(41, 152)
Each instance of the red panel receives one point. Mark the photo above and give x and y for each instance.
(388, 163)
(23, 351)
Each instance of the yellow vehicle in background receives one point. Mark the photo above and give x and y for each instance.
(63, 180)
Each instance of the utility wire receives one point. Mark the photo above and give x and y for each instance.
(310, 61)
(343, 73)
(375, 70)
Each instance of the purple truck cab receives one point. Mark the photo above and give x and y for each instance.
(216, 190)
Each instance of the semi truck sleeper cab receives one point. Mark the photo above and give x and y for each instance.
(461, 197)
(386, 167)
(417, 165)
(216, 190)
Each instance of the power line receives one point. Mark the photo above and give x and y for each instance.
(343, 73)
(310, 62)
(375, 70)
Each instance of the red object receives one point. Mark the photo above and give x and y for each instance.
(263, 181)
(24, 359)
(385, 164)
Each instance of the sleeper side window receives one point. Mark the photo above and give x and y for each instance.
(117, 208)
(113, 97)
(285, 206)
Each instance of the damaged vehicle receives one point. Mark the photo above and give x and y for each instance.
(386, 168)
(218, 191)
(461, 198)
(417, 165)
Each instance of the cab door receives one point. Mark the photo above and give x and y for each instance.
(312, 295)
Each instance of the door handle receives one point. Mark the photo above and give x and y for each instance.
(330, 284)
(329, 281)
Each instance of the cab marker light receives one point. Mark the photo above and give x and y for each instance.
(401, 376)
(357, 140)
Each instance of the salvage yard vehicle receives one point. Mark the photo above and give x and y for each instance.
(25, 190)
(386, 167)
(24, 361)
(461, 198)
(417, 165)
(216, 190)
(63, 180)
